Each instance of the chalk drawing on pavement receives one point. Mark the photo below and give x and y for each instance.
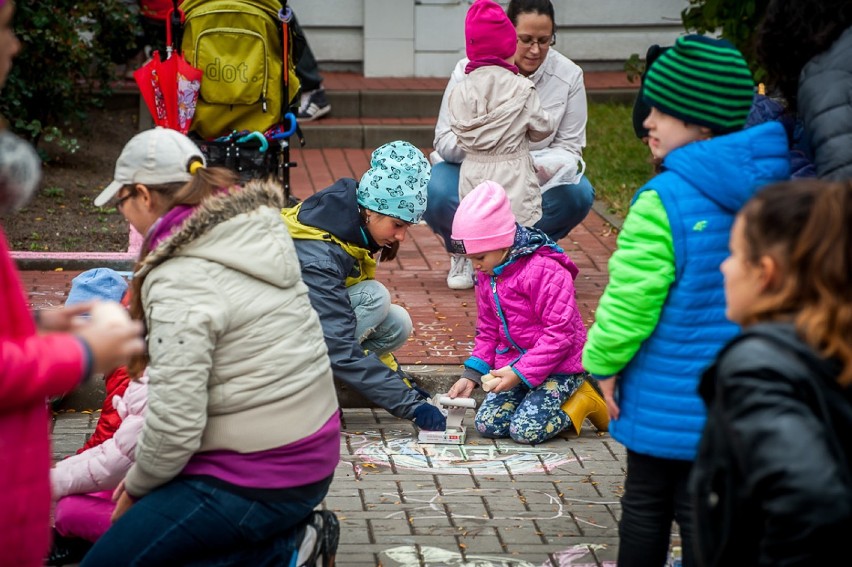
(408, 556)
(428, 504)
(571, 557)
(406, 453)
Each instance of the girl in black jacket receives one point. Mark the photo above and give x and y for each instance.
(771, 483)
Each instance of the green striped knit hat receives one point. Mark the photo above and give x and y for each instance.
(702, 81)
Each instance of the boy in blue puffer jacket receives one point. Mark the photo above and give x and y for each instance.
(661, 319)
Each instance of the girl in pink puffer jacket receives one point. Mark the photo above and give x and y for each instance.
(529, 331)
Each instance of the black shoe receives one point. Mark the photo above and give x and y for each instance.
(319, 543)
(313, 105)
(67, 550)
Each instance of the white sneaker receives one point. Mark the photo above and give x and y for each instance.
(461, 273)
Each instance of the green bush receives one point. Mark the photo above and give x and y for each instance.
(66, 64)
(737, 19)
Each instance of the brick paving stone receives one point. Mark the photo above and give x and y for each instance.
(481, 543)
(521, 534)
(391, 527)
(453, 483)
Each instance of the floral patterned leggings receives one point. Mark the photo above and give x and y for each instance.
(528, 416)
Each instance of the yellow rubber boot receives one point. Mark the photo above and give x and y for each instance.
(586, 402)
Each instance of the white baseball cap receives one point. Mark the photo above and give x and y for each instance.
(153, 157)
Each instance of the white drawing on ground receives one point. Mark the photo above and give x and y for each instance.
(406, 453)
(434, 501)
(408, 556)
(569, 557)
(428, 501)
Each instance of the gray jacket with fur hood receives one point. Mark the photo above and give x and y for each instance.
(237, 356)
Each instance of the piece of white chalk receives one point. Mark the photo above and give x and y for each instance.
(488, 381)
(458, 402)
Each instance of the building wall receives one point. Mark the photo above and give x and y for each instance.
(426, 37)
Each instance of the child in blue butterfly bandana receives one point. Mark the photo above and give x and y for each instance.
(338, 232)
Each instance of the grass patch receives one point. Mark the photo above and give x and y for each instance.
(54, 192)
(617, 161)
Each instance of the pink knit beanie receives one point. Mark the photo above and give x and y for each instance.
(488, 32)
(484, 221)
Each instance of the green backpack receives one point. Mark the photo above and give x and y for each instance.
(237, 44)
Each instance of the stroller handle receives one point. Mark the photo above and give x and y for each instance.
(291, 118)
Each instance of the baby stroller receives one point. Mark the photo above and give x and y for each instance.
(244, 48)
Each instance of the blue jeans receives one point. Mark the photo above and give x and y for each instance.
(655, 493)
(563, 207)
(380, 326)
(529, 416)
(191, 522)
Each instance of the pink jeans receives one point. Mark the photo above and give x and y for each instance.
(85, 516)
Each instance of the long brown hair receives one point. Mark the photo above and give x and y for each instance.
(806, 227)
(204, 183)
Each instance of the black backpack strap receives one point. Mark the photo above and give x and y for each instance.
(175, 24)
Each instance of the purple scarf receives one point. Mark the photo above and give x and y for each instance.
(489, 60)
(166, 225)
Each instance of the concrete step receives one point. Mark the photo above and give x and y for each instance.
(385, 103)
(368, 112)
(334, 132)
(368, 119)
(426, 103)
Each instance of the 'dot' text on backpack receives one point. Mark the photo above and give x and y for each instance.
(237, 44)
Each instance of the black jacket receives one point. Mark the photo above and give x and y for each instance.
(825, 105)
(771, 482)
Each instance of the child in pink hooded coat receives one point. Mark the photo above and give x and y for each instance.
(529, 331)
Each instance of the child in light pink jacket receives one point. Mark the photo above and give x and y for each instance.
(83, 484)
(495, 113)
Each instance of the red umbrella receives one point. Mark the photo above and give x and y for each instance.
(170, 87)
(148, 79)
